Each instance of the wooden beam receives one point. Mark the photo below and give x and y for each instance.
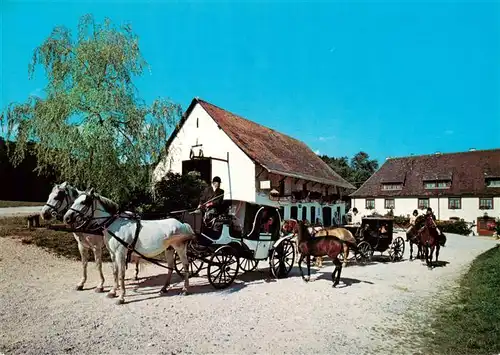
(260, 172)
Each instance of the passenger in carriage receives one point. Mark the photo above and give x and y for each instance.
(212, 201)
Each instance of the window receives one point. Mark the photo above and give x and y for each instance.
(392, 186)
(293, 212)
(313, 214)
(389, 203)
(423, 203)
(370, 204)
(454, 203)
(486, 203)
(304, 213)
(437, 184)
(493, 183)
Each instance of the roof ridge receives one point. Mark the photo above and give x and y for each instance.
(250, 121)
(441, 154)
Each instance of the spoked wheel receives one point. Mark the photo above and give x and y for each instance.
(195, 266)
(282, 259)
(397, 249)
(223, 267)
(364, 252)
(248, 265)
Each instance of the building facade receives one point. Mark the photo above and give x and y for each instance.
(464, 185)
(256, 164)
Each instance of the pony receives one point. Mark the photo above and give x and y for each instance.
(318, 246)
(59, 201)
(291, 226)
(413, 237)
(123, 231)
(430, 239)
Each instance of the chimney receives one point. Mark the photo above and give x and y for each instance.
(472, 149)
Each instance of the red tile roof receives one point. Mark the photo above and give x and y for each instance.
(467, 171)
(275, 151)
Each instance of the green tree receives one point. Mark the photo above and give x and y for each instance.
(356, 171)
(92, 125)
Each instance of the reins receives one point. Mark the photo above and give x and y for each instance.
(103, 227)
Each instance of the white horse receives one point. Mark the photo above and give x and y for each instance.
(60, 200)
(153, 238)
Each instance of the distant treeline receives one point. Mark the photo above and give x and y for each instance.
(22, 183)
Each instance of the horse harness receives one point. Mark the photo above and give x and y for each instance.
(130, 247)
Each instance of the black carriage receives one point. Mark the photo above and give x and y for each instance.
(236, 240)
(376, 234)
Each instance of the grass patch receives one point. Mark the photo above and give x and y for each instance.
(60, 243)
(19, 203)
(470, 322)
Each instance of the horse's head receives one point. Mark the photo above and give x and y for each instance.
(303, 233)
(90, 206)
(289, 226)
(429, 222)
(60, 199)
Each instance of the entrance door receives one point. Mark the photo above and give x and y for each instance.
(201, 165)
(327, 216)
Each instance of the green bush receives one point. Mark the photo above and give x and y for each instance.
(173, 192)
(401, 221)
(455, 227)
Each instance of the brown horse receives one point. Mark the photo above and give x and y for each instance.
(291, 226)
(429, 239)
(319, 246)
(413, 237)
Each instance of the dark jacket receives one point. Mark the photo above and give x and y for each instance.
(209, 193)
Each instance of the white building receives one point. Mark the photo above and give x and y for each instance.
(252, 160)
(464, 185)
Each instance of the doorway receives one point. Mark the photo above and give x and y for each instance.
(201, 165)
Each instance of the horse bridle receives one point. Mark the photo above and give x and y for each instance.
(55, 210)
(87, 219)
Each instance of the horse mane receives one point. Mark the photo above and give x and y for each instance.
(302, 233)
(109, 205)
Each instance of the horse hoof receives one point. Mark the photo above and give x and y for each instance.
(335, 285)
(305, 279)
(111, 295)
(184, 293)
(79, 287)
(99, 290)
(163, 291)
(120, 301)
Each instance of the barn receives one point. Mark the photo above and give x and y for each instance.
(253, 161)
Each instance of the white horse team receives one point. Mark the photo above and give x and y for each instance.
(95, 211)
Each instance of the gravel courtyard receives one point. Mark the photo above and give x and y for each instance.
(371, 311)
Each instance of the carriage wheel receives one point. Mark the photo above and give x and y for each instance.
(223, 267)
(195, 266)
(364, 252)
(282, 259)
(248, 265)
(397, 249)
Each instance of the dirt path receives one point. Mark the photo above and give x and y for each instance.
(18, 211)
(41, 313)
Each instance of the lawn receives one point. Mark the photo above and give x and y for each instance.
(19, 203)
(60, 243)
(470, 321)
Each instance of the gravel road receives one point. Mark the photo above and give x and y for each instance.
(17, 211)
(41, 313)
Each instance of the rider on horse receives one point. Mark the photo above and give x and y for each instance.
(442, 237)
(413, 219)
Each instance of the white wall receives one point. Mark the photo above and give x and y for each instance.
(238, 177)
(405, 206)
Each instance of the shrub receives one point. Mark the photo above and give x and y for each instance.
(455, 227)
(401, 220)
(173, 192)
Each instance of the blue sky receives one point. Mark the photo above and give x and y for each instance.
(390, 78)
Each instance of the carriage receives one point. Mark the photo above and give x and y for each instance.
(377, 234)
(236, 241)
